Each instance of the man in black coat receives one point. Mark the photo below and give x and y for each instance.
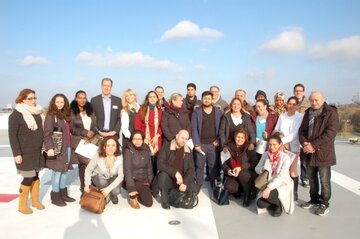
(176, 168)
(317, 137)
(107, 110)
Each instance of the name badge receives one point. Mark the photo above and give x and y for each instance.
(115, 107)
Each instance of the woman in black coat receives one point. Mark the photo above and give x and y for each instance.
(82, 126)
(175, 118)
(239, 168)
(26, 138)
(138, 171)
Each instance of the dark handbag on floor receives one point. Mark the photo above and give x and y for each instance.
(262, 180)
(93, 201)
(186, 200)
(220, 195)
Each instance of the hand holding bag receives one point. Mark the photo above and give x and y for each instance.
(262, 180)
(93, 201)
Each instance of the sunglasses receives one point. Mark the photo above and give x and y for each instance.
(31, 98)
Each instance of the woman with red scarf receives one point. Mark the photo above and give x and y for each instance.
(278, 195)
(238, 167)
(148, 120)
(175, 118)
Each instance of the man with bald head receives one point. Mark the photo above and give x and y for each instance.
(317, 136)
(176, 168)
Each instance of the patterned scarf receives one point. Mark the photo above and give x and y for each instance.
(312, 115)
(148, 138)
(27, 112)
(274, 160)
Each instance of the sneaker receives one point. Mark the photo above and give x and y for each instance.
(307, 205)
(322, 210)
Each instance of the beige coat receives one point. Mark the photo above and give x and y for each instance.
(280, 180)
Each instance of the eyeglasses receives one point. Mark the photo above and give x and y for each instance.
(31, 98)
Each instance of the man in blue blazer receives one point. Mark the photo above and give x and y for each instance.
(107, 110)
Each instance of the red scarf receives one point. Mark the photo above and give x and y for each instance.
(274, 160)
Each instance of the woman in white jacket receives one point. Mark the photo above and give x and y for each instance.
(278, 194)
(105, 169)
(287, 127)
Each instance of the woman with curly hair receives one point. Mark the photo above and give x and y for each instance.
(58, 120)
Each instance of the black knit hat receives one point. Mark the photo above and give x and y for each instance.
(260, 92)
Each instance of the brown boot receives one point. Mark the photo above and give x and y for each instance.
(35, 189)
(65, 196)
(23, 199)
(134, 203)
(56, 199)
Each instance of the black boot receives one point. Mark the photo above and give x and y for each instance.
(65, 196)
(165, 199)
(246, 201)
(263, 203)
(296, 183)
(56, 199)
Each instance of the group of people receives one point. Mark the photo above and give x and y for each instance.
(162, 146)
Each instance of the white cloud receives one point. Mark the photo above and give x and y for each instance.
(187, 29)
(204, 49)
(262, 74)
(126, 60)
(346, 48)
(200, 67)
(287, 42)
(34, 60)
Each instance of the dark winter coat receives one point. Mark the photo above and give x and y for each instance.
(326, 126)
(196, 123)
(26, 142)
(172, 122)
(167, 156)
(60, 164)
(137, 166)
(78, 131)
(225, 128)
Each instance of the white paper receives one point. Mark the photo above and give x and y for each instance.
(190, 144)
(261, 146)
(224, 156)
(87, 150)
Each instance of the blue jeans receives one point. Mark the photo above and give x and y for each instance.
(319, 176)
(211, 158)
(58, 180)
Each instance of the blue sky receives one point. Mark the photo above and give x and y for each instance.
(64, 46)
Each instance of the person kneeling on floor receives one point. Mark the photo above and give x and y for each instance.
(105, 169)
(278, 194)
(176, 168)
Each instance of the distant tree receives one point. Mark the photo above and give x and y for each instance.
(355, 121)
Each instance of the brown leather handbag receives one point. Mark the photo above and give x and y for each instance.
(262, 180)
(93, 201)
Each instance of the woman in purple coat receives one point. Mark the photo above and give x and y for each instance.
(58, 120)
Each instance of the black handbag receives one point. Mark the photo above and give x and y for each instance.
(186, 200)
(220, 195)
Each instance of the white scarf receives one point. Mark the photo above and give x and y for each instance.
(27, 112)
